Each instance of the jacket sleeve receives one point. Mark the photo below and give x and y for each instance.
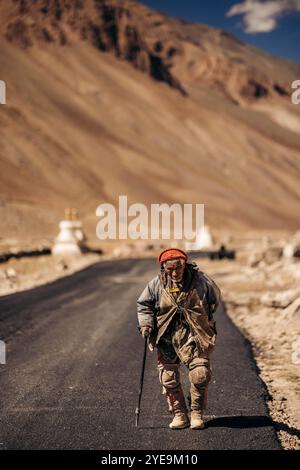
(213, 294)
(146, 305)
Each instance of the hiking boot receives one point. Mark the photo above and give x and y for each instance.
(180, 421)
(197, 420)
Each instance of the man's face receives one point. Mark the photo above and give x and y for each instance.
(175, 268)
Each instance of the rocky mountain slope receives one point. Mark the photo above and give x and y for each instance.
(109, 97)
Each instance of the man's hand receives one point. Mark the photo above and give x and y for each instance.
(146, 331)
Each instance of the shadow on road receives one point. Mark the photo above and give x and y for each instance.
(240, 422)
(251, 422)
(230, 422)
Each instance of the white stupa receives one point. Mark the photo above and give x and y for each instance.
(71, 238)
(202, 241)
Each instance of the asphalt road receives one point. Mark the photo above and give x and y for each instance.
(73, 365)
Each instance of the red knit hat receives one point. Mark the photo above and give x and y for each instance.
(171, 253)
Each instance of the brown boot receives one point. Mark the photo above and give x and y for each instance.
(177, 402)
(180, 420)
(197, 420)
(198, 404)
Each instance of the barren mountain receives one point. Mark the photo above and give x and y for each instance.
(107, 97)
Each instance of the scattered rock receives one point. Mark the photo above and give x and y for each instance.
(292, 250)
(273, 254)
(123, 251)
(62, 265)
(255, 259)
(280, 299)
(265, 257)
(10, 273)
(292, 310)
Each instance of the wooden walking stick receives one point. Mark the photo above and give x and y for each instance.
(137, 411)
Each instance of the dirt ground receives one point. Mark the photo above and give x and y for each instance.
(25, 273)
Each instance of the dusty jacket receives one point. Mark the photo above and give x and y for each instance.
(187, 320)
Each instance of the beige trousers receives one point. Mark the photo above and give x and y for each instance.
(199, 376)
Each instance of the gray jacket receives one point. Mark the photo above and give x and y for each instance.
(148, 303)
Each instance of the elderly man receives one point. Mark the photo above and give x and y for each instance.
(175, 312)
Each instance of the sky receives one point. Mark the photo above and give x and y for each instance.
(272, 25)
